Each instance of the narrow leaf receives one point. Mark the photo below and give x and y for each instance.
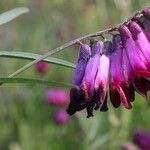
(11, 14)
(35, 81)
(32, 56)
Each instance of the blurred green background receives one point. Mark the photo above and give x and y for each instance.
(26, 120)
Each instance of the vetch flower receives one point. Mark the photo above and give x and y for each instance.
(141, 40)
(88, 81)
(128, 76)
(61, 117)
(137, 60)
(42, 67)
(85, 52)
(117, 80)
(102, 76)
(57, 97)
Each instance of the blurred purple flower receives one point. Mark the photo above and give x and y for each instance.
(57, 97)
(42, 67)
(61, 117)
(142, 139)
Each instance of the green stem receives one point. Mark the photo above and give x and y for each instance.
(68, 44)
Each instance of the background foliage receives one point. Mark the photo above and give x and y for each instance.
(26, 120)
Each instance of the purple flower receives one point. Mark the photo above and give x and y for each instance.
(88, 81)
(57, 97)
(85, 52)
(141, 40)
(142, 139)
(117, 80)
(128, 76)
(42, 67)
(137, 60)
(102, 76)
(61, 117)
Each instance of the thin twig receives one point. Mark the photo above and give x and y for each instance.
(70, 43)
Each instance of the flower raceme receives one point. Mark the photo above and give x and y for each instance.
(121, 65)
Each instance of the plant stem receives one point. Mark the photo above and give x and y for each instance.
(76, 41)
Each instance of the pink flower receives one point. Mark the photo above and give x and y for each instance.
(42, 67)
(57, 97)
(61, 117)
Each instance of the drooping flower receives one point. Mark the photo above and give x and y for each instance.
(142, 139)
(128, 76)
(61, 117)
(88, 81)
(57, 97)
(137, 60)
(118, 85)
(42, 67)
(141, 40)
(102, 76)
(85, 52)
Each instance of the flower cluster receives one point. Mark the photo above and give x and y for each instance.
(121, 65)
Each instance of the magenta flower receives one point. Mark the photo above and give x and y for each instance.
(141, 40)
(137, 60)
(142, 139)
(57, 97)
(88, 81)
(42, 67)
(61, 117)
(128, 76)
(117, 80)
(85, 52)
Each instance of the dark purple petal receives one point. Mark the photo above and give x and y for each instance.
(85, 52)
(77, 102)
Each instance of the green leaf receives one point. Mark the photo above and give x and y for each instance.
(12, 14)
(32, 56)
(35, 81)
